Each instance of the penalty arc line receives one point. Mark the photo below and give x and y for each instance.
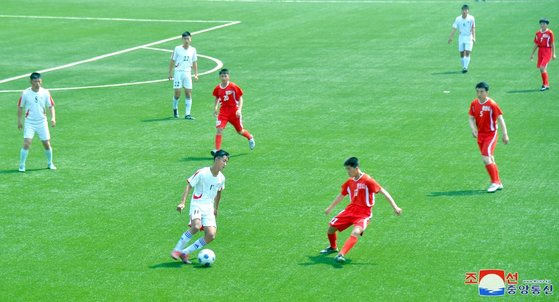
(117, 52)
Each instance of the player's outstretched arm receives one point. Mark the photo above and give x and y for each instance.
(473, 126)
(216, 202)
(397, 210)
(503, 126)
(182, 204)
(334, 204)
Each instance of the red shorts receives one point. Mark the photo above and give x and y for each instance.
(487, 142)
(229, 117)
(349, 217)
(544, 56)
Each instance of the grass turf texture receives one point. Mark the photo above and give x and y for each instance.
(322, 82)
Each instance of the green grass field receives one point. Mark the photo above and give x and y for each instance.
(322, 82)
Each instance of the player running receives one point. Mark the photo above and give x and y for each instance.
(35, 100)
(466, 25)
(207, 184)
(228, 109)
(545, 44)
(484, 114)
(183, 60)
(361, 189)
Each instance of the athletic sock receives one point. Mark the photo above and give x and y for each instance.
(466, 62)
(218, 138)
(463, 59)
(493, 173)
(332, 238)
(23, 156)
(198, 244)
(185, 238)
(246, 134)
(545, 79)
(350, 242)
(175, 103)
(48, 154)
(188, 104)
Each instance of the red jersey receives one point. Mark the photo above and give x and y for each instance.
(362, 191)
(545, 39)
(485, 114)
(228, 97)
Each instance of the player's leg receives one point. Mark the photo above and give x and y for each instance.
(487, 148)
(210, 228)
(544, 56)
(237, 122)
(219, 126)
(461, 50)
(467, 51)
(24, 152)
(187, 84)
(195, 226)
(339, 223)
(332, 238)
(44, 136)
(350, 242)
(176, 97)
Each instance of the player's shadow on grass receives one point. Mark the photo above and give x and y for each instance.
(457, 193)
(446, 72)
(161, 119)
(524, 91)
(172, 264)
(325, 259)
(209, 157)
(15, 171)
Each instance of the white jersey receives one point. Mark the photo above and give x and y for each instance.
(464, 25)
(206, 186)
(184, 58)
(35, 105)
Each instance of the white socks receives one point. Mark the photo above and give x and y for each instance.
(465, 62)
(48, 154)
(23, 156)
(185, 238)
(188, 103)
(175, 103)
(198, 244)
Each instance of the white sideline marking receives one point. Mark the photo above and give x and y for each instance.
(117, 52)
(114, 19)
(219, 65)
(160, 49)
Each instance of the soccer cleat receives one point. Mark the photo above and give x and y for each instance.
(52, 166)
(184, 259)
(176, 113)
(329, 250)
(544, 88)
(21, 168)
(251, 143)
(189, 117)
(213, 152)
(179, 255)
(494, 187)
(340, 258)
(464, 70)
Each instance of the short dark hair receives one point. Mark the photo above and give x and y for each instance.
(483, 85)
(351, 162)
(35, 75)
(186, 34)
(465, 6)
(224, 71)
(544, 20)
(220, 153)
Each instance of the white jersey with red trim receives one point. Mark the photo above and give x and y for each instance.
(184, 58)
(35, 105)
(206, 186)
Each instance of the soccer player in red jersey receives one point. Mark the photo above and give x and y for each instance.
(484, 115)
(545, 43)
(361, 189)
(228, 106)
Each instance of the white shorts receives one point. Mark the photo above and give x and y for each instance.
(182, 79)
(465, 43)
(203, 212)
(42, 130)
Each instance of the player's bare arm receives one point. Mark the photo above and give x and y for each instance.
(397, 210)
(533, 51)
(195, 69)
(503, 126)
(553, 50)
(52, 116)
(216, 107)
(19, 114)
(171, 66)
(473, 34)
(334, 204)
(473, 126)
(238, 113)
(451, 35)
(216, 202)
(182, 204)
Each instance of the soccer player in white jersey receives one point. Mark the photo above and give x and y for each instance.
(207, 184)
(35, 100)
(466, 26)
(183, 61)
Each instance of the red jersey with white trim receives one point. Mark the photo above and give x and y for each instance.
(485, 115)
(228, 97)
(205, 185)
(35, 104)
(362, 191)
(544, 39)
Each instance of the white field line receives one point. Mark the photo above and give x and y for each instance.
(114, 19)
(117, 52)
(219, 65)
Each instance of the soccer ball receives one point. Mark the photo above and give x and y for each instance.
(206, 257)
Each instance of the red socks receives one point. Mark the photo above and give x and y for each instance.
(350, 242)
(218, 141)
(332, 238)
(545, 78)
(246, 134)
(493, 173)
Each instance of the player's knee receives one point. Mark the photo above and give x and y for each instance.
(209, 237)
(240, 132)
(331, 230)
